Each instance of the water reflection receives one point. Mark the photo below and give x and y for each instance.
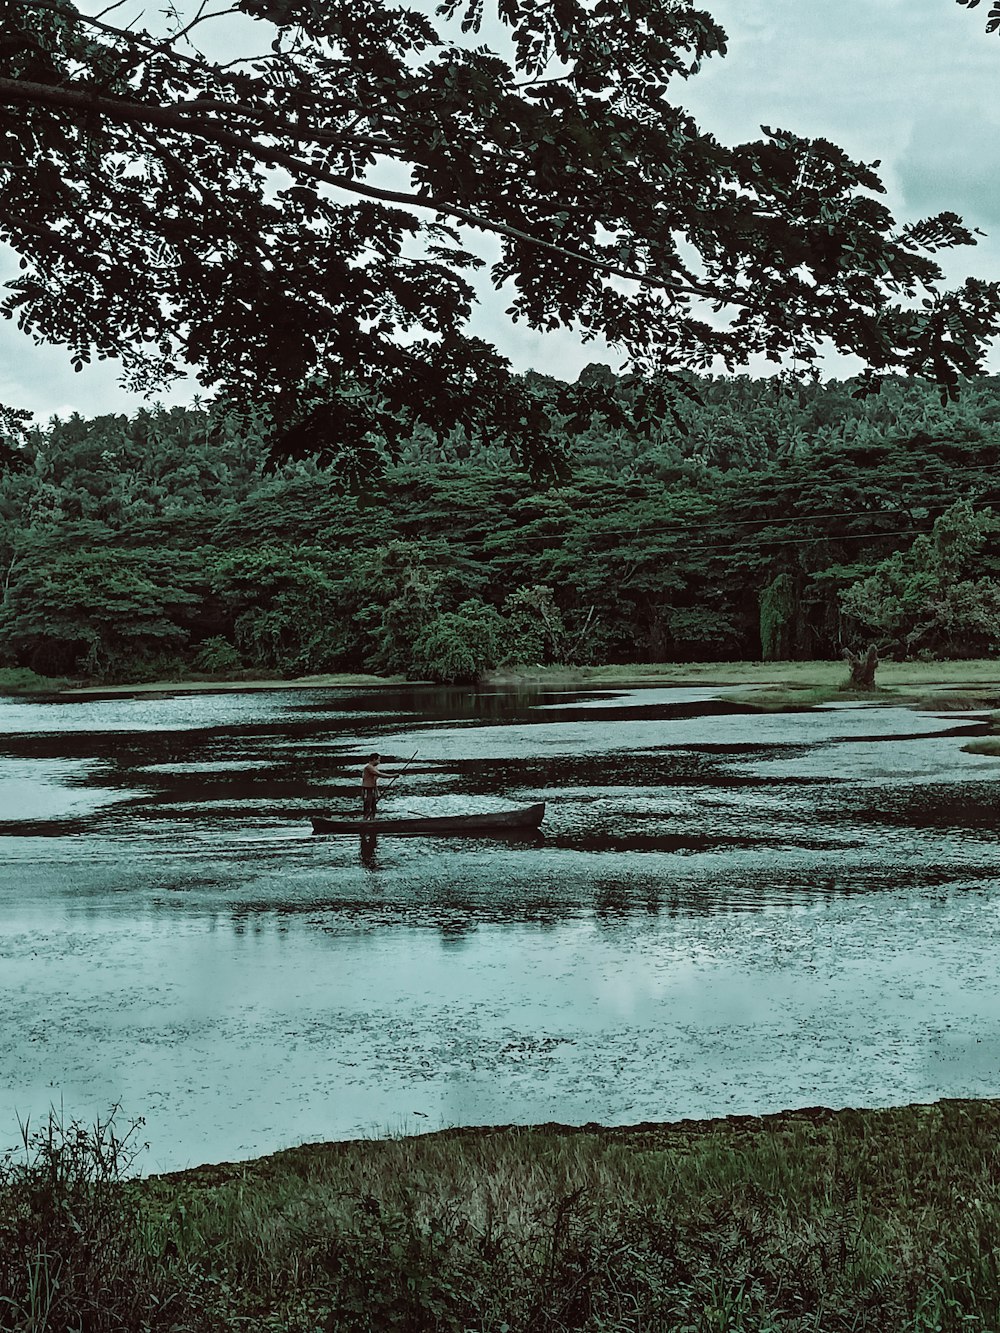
(722, 911)
(369, 852)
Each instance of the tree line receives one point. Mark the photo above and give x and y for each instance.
(746, 521)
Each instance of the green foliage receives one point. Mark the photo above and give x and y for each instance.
(71, 1253)
(832, 1220)
(390, 1272)
(927, 599)
(777, 610)
(216, 656)
(409, 603)
(21, 680)
(533, 629)
(138, 190)
(132, 547)
(281, 603)
(695, 633)
(98, 611)
(401, 588)
(809, 1220)
(459, 646)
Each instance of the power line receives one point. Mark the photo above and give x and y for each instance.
(681, 530)
(584, 514)
(791, 541)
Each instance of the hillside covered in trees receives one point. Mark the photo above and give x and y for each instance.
(748, 522)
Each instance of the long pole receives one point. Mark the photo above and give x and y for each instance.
(397, 776)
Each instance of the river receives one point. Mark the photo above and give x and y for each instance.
(725, 912)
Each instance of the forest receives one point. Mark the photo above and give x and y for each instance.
(749, 521)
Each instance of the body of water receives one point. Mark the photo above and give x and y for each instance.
(724, 912)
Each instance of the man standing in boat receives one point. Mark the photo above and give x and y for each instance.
(369, 786)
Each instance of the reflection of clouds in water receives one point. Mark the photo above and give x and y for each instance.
(709, 925)
(237, 1042)
(683, 991)
(52, 788)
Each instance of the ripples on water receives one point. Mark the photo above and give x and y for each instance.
(724, 911)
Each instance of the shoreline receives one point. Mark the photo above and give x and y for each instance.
(948, 675)
(835, 1220)
(904, 677)
(662, 1135)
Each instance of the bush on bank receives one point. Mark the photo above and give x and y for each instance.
(21, 680)
(823, 1221)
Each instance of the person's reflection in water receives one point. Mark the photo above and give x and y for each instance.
(369, 848)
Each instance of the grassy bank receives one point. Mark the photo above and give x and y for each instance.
(812, 1220)
(818, 674)
(989, 744)
(784, 686)
(804, 683)
(19, 680)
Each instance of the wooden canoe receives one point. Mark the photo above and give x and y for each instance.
(501, 821)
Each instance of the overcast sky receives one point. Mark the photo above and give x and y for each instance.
(909, 82)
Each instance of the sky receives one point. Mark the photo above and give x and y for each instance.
(911, 83)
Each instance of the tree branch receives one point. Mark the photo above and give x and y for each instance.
(77, 97)
(150, 44)
(287, 128)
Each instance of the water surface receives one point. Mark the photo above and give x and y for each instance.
(726, 912)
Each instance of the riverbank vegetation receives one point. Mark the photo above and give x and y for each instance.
(810, 1220)
(748, 524)
(22, 680)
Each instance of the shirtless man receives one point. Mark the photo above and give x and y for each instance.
(369, 786)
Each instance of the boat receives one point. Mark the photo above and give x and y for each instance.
(498, 821)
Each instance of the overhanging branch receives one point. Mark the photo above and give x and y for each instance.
(87, 101)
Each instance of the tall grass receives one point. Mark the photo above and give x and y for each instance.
(816, 1221)
(71, 1249)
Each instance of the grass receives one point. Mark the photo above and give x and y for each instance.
(989, 745)
(20, 680)
(983, 745)
(817, 674)
(958, 700)
(981, 679)
(791, 697)
(778, 687)
(812, 1220)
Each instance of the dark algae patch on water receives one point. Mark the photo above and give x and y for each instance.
(726, 911)
(808, 1220)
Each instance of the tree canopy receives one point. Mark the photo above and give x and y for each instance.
(300, 224)
(776, 527)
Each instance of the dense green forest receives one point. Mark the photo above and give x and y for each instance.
(748, 522)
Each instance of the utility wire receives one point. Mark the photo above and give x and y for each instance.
(680, 530)
(793, 541)
(709, 520)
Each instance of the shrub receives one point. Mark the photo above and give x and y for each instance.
(459, 646)
(22, 680)
(217, 655)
